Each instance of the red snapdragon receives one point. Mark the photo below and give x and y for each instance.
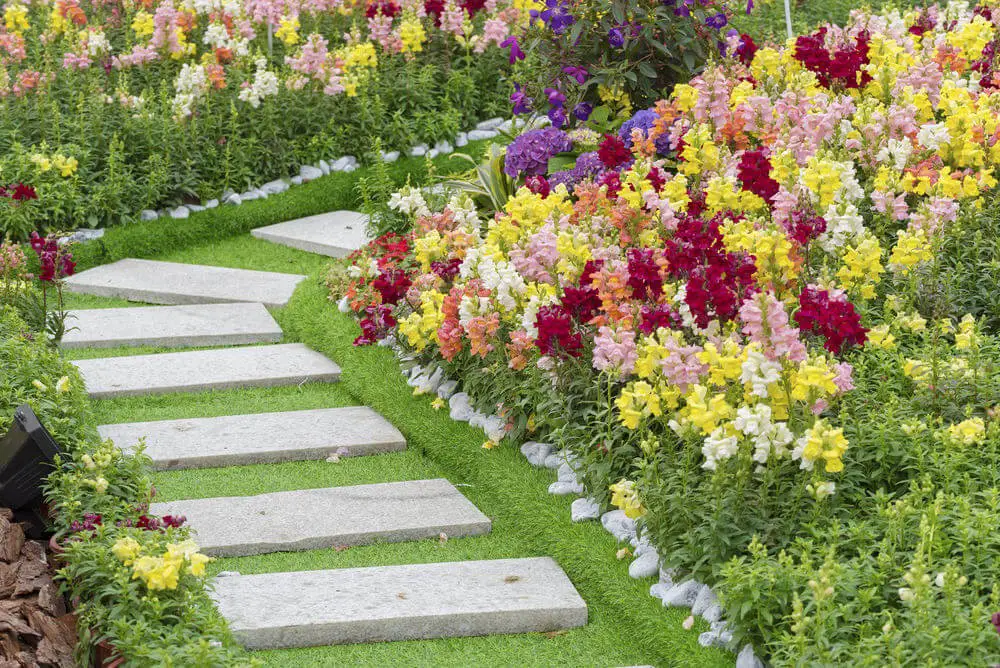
(831, 317)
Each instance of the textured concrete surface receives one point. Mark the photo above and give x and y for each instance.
(237, 440)
(197, 370)
(175, 326)
(173, 283)
(312, 519)
(336, 234)
(470, 598)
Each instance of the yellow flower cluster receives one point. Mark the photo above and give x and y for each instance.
(412, 35)
(912, 248)
(288, 30)
(862, 269)
(420, 327)
(15, 18)
(823, 442)
(967, 432)
(625, 497)
(161, 571)
(66, 166)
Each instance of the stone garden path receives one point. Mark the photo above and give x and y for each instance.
(214, 306)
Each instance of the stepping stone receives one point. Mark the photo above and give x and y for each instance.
(336, 234)
(198, 370)
(312, 519)
(237, 440)
(178, 326)
(173, 283)
(354, 605)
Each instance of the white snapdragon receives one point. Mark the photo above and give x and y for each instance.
(850, 189)
(97, 43)
(843, 224)
(264, 84)
(717, 448)
(191, 84)
(410, 201)
(464, 209)
(897, 152)
(933, 136)
(759, 372)
(768, 437)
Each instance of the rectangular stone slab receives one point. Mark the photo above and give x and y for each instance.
(176, 326)
(198, 370)
(237, 440)
(336, 234)
(173, 283)
(353, 605)
(312, 519)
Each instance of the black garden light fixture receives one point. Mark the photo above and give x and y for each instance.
(26, 458)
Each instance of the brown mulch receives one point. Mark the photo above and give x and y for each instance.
(35, 629)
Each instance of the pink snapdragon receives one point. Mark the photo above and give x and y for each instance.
(615, 351)
(681, 366)
(765, 321)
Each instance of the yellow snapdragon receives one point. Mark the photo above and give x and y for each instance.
(412, 35)
(967, 432)
(912, 248)
(288, 30)
(823, 442)
(625, 497)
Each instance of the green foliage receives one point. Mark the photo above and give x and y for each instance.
(658, 49)
(488, 184)
(173, 627)
(132, 156)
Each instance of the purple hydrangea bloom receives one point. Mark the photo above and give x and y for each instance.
(588, 166)
(644, 120)
(529, 154)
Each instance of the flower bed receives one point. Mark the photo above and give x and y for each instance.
(111, 108)
(735, 314)
(136, 581)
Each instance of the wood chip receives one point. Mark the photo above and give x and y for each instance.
(11, 540)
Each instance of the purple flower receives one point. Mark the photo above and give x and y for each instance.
(529, 154)
(717, 21)
(515, 49)
(577, 73)
(558, 116)
(615, 38)
(520, 100)
(556, 97)
(683, 9)
(588, 166)
(556, 16)
(583, 111)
